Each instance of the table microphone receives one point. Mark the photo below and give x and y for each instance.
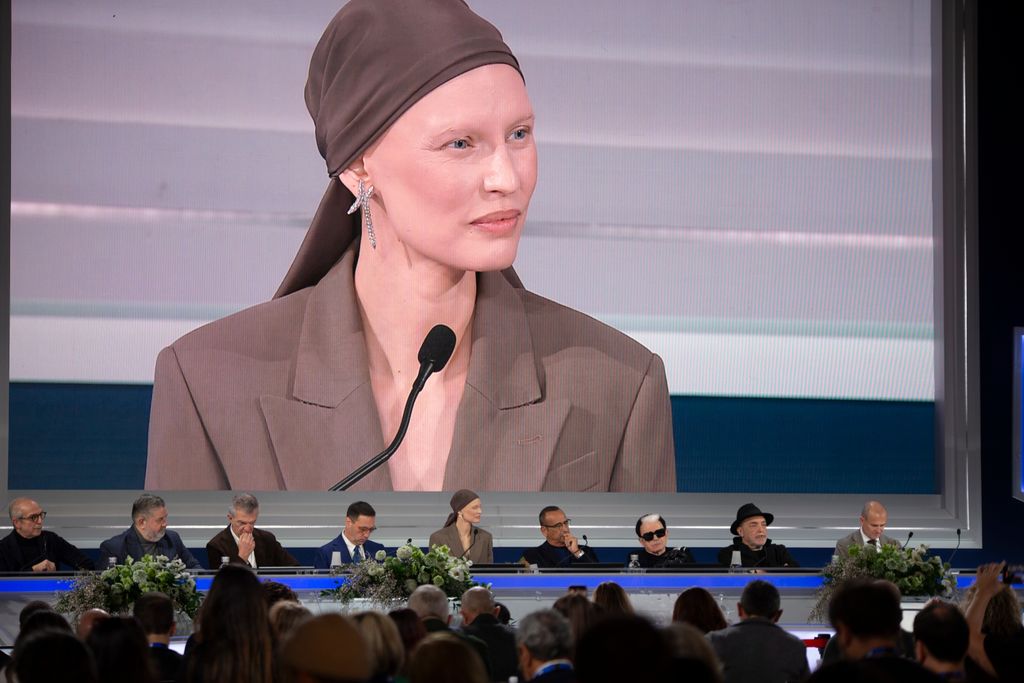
(909, 536)
(434, 354)
(950, 561)
(585, 541)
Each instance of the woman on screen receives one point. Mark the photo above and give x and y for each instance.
(423, 118)
(461, 533)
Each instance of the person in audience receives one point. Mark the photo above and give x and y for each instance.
(284, 616)
(148, 535)
(353, 543)
(652, 532)
(275, 592)
(383, 642)
(326, 648)
(411, 630)
(871, 534)
(581, 613)
(31, 608)
(445, 658)
(689, 648)
(52, 655)
(560, 547)
(121, 651)
(603, 654)
(44, 619)
(544, 641)
(155, 613)
(31, 548)
(993, 615)
(503, 614)
(242, 543)
(697, 607)
(752, 543)
(478, 619)
(866, 616)
(233, 635)
(757, 648)
(461, 533)
(431, 604)
(611, 599)
(88, 619)
(941, 637)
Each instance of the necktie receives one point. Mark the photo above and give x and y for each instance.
(360, 556)
(873, 543)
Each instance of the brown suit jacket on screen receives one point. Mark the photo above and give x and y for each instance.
(278, 396)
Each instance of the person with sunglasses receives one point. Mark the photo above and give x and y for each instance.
(652, 532)
(560, 547)
(30, 548)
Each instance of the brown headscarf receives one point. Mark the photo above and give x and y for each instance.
(375, 60)
(461, 499)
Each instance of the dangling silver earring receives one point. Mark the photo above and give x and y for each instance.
(363, 202)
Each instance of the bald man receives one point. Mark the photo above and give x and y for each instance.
(29, 548)
(871, 534)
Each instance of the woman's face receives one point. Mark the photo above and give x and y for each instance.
(472, 512)
(453, 176)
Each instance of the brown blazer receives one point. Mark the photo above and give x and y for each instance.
(480, 551)
(278, 396)
(269, 553)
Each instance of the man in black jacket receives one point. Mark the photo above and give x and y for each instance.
(752, 543)
(560, 549)
(478, 619)
(155, 613)
(29, 548)
(242, 543)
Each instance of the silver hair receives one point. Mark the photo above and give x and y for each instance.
(545, 634)
(246, 502)
(145, 504)
(430, 601)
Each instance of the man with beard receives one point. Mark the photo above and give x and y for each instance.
(752, 543)
(148, 535)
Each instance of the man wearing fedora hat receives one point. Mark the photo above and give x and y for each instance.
(752, 543)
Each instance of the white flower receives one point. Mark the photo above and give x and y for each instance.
(403, 553)
(410, 585)
(380, 555)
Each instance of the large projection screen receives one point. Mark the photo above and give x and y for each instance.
(753, 190)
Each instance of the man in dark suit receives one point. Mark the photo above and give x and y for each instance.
(353, 544)
(479, 619)
(871, 534)
(757, 648)
(752, 543)
(29, 548)
(544, 640)
(155, 613)
(560, 547)
(242, 543)
(148, 535)
(431, 605)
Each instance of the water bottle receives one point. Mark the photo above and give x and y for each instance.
(224, 560)
(634, 563)
(736, 563)
(111, 562)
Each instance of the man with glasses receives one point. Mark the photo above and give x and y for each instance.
(652, 532)
(353, 544)
(242, 543)
(560, 547)
(29, 548)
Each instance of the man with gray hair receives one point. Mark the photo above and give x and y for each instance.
(479, 618)
(871, 534)
(242, 543)
(652, 532)
(544, 641)
(148, 535)
(29, 547)
(431, 604)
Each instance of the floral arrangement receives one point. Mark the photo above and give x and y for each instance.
(913, 570)
(116, 589)
(388, 581)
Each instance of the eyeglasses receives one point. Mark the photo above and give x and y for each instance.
(560, 525)
(651, 535)
(36, 518)
(366, 529)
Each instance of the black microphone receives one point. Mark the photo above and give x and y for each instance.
(953, 554)
(434, 354)
(585, 541)
(909, 536)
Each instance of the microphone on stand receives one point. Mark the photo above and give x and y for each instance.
(585, 541)
(434, 354)
(909, 536)
(950, 561)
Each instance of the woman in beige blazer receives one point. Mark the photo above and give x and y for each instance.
(461, 533)
(432, 149)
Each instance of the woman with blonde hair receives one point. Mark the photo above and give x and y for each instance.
(384, 643)
(610, 597)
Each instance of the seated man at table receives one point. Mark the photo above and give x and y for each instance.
(871, 534)
(560, 548)
(242, 543)
(353, 543)
(652, 532)
(148, 535)
(752, 543)
(29, 548)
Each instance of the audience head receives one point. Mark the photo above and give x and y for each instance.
(360, 522)
(696, 606)
(430, 602)
(542, 636)
(873, 518)
(383, 643)
(234, 629)
(275, 592)
(865, 614)
(26, 517)
(751, 526)
(476, 601)
(88, 619)
(502, 614)
(446, 658)
(410, 628)
(31, 608)
(941, 636)
(612, 599)
(242, 514)
(554, 525)
(687, 644)
(599, 653)
(149, 515)
(326, 648)
(121, 651)
(1003, 615)
(760, 599)
(42, 620)
(155, 613)
(652, 532)
(580, 612)
(285, 615)
(53, 655)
